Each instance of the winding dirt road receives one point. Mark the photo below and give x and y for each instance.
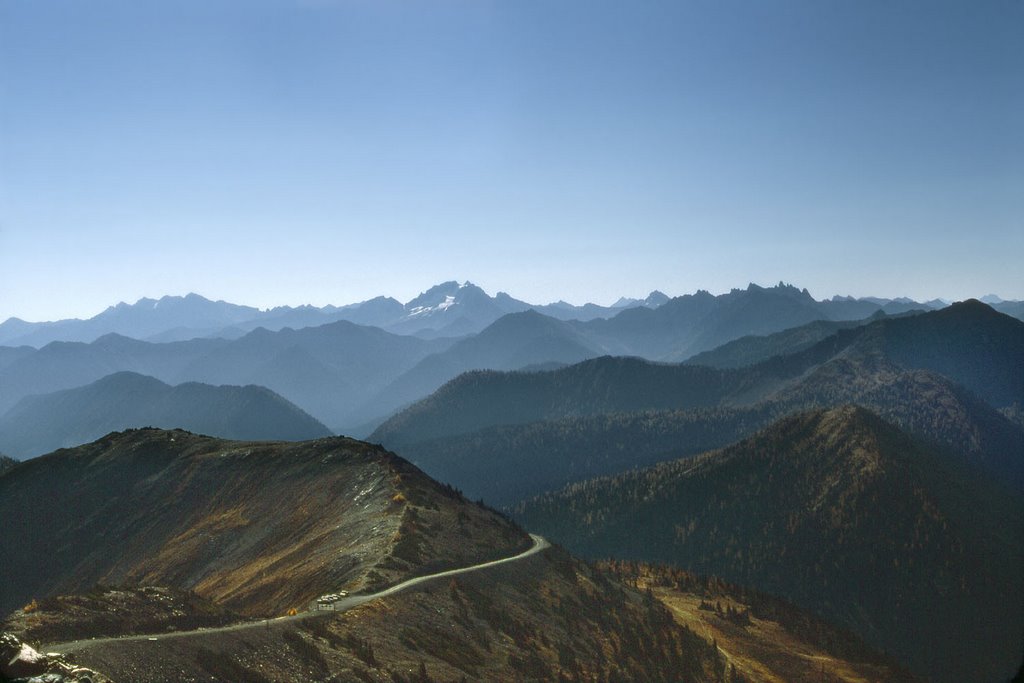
(347, 603)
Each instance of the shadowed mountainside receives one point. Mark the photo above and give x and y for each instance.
(515, 341)
(839, 512)
(543, 430)
(968, 342)
(753, 349)
(602, 385)
(687, 325)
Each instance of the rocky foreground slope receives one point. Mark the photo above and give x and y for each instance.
(233, 530)
(547, 618)
(259, 528)
(21, 662)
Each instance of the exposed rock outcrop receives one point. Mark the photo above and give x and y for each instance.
(20, 663)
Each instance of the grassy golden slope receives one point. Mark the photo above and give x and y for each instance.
(764, 638)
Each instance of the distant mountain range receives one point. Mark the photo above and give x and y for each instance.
(455, 310)
(43, 423)
(517, 340)
(447, 309)
(941, 375)
(843, 514)
(328, 371)
(352, 377)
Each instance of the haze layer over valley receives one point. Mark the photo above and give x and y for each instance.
(350, 375)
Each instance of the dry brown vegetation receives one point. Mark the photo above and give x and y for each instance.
(109, 610)
(547, 618)
(764, 638)
(258, 528)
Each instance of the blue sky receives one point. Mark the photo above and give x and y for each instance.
(326, 152)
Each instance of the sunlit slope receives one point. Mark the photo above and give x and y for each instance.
(259, 527)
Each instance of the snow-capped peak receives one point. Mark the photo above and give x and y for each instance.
(417, 311)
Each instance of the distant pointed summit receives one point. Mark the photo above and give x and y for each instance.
(449, 309)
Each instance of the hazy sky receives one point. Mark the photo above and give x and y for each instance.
(271, 152)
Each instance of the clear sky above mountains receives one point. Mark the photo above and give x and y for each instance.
(326, 152)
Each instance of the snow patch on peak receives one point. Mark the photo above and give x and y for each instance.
(418, 311)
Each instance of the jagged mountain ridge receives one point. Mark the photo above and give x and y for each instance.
(179, 318)
(689, 324)
(447, 309)
(347, 375)
(43, 423)
(839, 512)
